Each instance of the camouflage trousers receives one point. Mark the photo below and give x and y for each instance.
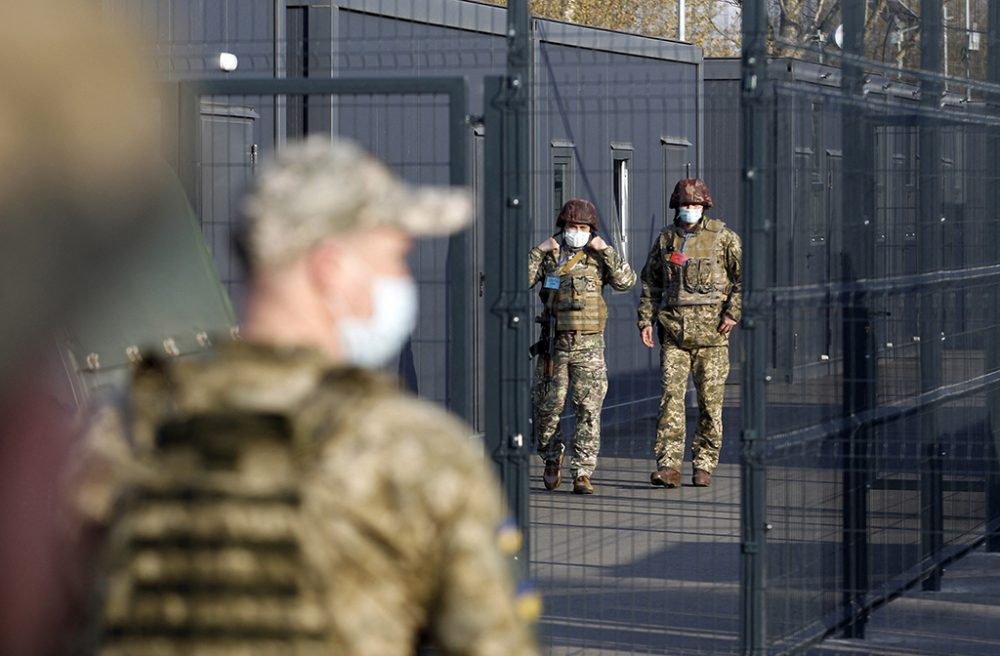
(709, 366)
(578, 363)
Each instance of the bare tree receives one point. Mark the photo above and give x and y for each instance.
(712, 24)
(715, 26)
(616, 15)
(802, 29)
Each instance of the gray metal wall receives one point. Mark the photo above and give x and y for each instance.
(581, 98)
(723, 124)
(723, 167)
(187, 37)
(413, 139)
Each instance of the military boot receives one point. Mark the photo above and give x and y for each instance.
(701, 478)
(552, 476)
(582, 485)
(666, 477)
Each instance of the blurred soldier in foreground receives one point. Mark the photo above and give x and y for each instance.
(77, 191)
(572, 274)
(691, 287)
(276, 497)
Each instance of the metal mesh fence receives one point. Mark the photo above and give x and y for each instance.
(871, 458)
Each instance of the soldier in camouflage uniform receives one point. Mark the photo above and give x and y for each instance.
(691, 286)
(279, 497)
(572, 274)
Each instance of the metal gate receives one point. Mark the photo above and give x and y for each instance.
(223, 122)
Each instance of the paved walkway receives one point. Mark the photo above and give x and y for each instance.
(635, 569)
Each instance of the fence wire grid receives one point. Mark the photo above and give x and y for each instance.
(871, 465)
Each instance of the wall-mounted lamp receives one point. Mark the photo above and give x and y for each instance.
(228, 61)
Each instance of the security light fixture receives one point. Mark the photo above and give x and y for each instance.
(228, 61)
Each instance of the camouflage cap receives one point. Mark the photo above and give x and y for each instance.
(690, 191)
(317, 188)
(577, 210)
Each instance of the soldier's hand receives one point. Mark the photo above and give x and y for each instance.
(597, 244)
(549, 244)
(647, 336)
(726, 325)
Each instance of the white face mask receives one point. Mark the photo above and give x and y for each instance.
(576, 238)
(690, 214)
(372, 342)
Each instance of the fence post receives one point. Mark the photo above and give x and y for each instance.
(757, 222)
(858, 255)
(508, 224)
(992, 336)
(929, 258)
(462, 283)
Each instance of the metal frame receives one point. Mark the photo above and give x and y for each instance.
(756, 190)
(561, 151)
(460, 271)
(669, 145)
(622, 152)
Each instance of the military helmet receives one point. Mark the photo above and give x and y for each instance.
(577, 210)
(691, 191)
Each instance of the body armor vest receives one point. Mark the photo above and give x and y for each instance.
(207, 550)
(578, 303)
(701, 279)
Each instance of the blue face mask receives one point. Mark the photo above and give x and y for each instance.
(374, 341)
(690, 215)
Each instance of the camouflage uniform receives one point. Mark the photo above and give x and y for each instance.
(688, 302)
(579, 349)
(379, 525)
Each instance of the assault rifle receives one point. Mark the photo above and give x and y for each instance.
(545, 347)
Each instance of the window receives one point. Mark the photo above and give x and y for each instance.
(563, 174)
(622, 192)
(676, 165)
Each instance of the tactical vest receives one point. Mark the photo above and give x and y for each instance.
(578, 304)
(207, 551)
(701, 279)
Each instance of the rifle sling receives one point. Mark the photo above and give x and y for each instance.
(570, 263)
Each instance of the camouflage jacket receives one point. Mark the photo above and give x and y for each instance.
(400, 516)
(691, 324)
(583, 282)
